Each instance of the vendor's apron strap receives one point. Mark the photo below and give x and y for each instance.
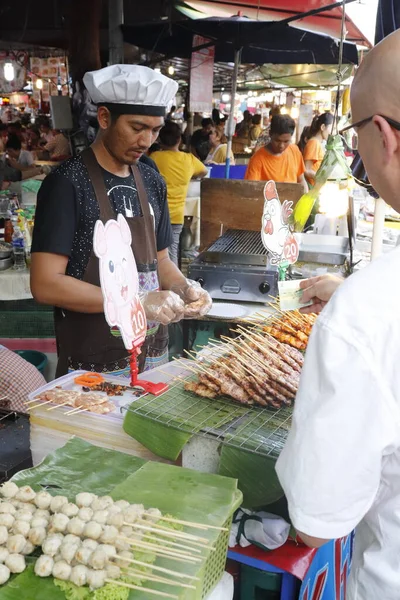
(97, 179)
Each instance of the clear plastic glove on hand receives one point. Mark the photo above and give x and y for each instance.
(197, 301)
(163, 307)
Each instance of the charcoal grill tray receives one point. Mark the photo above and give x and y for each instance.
(237, 247)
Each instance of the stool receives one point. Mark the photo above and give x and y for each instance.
(252, 581)
(264, 576)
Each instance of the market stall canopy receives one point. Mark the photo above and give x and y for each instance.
(301, 76)
(328, 23)
(262, 42)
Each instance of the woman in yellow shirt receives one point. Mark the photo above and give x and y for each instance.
(177, 168)
(218, 147)
(314, 152)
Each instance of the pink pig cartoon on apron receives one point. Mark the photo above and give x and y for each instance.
(119, 280)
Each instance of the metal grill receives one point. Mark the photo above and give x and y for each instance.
(258, 430)
(237, 241)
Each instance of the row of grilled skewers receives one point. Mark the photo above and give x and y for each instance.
(259, 367)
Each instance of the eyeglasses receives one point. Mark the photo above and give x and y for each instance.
(350, 133)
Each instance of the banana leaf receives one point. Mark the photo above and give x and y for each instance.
(80, 466)
(256, 474)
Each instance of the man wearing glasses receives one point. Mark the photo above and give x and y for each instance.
(340, 468)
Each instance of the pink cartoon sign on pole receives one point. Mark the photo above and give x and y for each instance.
(119, 282)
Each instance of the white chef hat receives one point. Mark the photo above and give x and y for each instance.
(131, 89)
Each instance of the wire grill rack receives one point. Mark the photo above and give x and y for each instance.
(259, 430)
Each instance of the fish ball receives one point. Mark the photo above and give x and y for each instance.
(88, 543)
(96, 579)
(83, 555)
(84, 499)
(42, 513)
(51, 546)
(44, 566)
(108, 549)
(37, 535)
(70, 509)
(4, 574)
(116, 519)
(68, 551)
(59, 523)
(113, 571)
(93, 530)
(79, 575)
(9, 489)
(3, 554)
(85, 514)
(6, 520)
(61, 570)
(56, 536)
(16, 563)
(7, 507)
(121, 546)
(76, 526)
(126, 531)
(102, 503)
(28, 507)
(25, 494)
(23, 515)
(124, 554)
(98, 559)
(16, 543)
(43, 500)
(152, 514)
(3, 535)
(72, 539)
(100, 516)
(132, 515)
(122, 504)
(38, 522)
(114, 509)
(28, 548)
(21, 527)
(109, 534)
(57, 503)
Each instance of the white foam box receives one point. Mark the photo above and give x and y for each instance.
(51, 429)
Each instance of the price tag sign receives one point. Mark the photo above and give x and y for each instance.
(119, 281)
(276, 231)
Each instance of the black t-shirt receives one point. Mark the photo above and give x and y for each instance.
(67, 210)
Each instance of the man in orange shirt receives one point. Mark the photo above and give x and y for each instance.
(280, 160)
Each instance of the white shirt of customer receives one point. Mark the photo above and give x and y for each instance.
(341, 462)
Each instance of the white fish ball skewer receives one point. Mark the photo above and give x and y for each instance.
(6, 520)
(57, 503)
(4, 574)
(28, 548)
(92, 544)
(68, 552)
(85, 514)
(102, 503)
(7, 507)
(100, 516)
(3, 534)
(76, 526)
(98, 559)
(3, 554)
(93, 530)
(38, 522)
(62, 570)
(9, 489)
(59, 523)
(16, 543)
(43, 500)
(25, 494)
(84, 499)
(44, 566)
(51, 546)
(16, 563)
(23, 515)
(21, 527)
(37, 535)
(79, 575)
(96, 579)
(83, 555)
(72, 539)
(70, 509)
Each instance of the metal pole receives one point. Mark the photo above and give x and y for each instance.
(231, 121)
(116, 39)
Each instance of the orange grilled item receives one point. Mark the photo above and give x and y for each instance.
(89, 379)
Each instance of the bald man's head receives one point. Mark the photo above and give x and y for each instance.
(375, 93)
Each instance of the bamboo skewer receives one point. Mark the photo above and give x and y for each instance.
(165, 541)
(190, 524)
(141, 588)
(157, 579)
(40, 404)
(156, 546)
(78, 409)
(154, 549)
(184, 546)
(154, 567)
(59, 405)
(168, 533)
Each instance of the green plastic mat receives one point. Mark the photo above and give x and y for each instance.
(190, 495)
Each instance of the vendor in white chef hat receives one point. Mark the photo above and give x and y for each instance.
(105, 180)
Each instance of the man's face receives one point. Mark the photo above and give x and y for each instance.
(279, 142)
(130, 136)
(208, 128)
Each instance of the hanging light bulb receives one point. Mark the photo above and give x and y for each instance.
(39, 84)
(171, 70)
(9, 71)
